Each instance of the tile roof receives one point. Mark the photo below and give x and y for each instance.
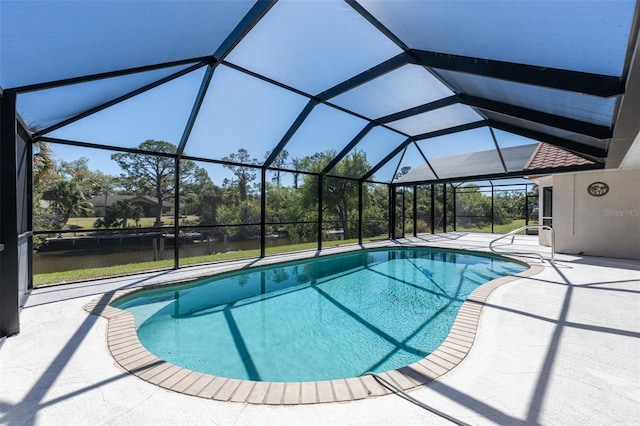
(548, 156)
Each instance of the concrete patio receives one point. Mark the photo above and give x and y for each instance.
(560, 347)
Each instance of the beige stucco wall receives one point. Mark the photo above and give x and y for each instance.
(599, 226)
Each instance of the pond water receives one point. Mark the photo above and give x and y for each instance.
(83, 258)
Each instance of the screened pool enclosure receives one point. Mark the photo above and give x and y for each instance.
(141, 135)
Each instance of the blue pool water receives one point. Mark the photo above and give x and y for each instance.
(324, 318)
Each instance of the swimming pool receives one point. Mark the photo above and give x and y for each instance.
(319, 319)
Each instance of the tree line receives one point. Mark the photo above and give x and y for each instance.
(62, 188)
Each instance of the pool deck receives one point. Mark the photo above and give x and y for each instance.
(558, 347)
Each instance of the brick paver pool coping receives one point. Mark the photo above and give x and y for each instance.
(128, 352)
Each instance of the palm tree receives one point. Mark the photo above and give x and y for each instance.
(66, 199)
(43, 162)
(126, 209)
(119, 213)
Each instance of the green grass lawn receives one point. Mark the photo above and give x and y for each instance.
(497, 229)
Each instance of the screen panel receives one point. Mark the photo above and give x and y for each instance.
(530, 125)
(240, 111)
(579, 106)
(399, 90)
(376, 145)
(64, 35)
(324, 133)
(158, 114)
(325, 33)
(438, 119)
(468, 153)
(589, 36)
(44, 108)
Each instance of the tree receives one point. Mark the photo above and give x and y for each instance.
(284, 208)
(92, 183)
(76, 170)
(279, 162)
(119, 213)
(340, 195)
(153, 174)
(473, 208)
(66, 200)
(509, 205)
(43, 163)
(246, 215)
(376, 210)
(245, 175)
(44, 166)
(201, 197)
(296, 166)
(239, 205)
(403, 171)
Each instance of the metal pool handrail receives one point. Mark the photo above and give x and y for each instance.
(409, 398)
(515, 231)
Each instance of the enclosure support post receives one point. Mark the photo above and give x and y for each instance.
(320, 201)
(415, 210)
(526, 204)
(404, 212)
(444, 207)
(492, 211)
(9, 261)
(392, 212)
(155, 249)
(433, 209)
(263, 212)
(360, 206)
(30, 215)
(455, 212)
(176, 217)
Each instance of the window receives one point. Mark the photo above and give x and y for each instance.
(547, 205)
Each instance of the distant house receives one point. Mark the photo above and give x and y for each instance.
(148, 204)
